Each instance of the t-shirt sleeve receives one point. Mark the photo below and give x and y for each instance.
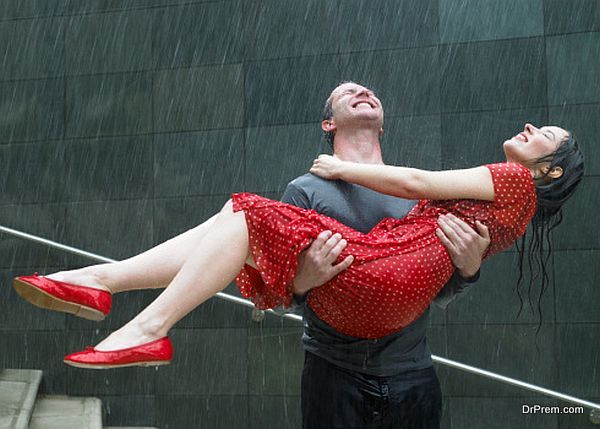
(455, 287)
(514, 196)
(295, 196)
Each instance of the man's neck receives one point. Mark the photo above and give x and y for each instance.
(358, 147)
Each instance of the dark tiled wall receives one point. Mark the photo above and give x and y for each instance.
(123, 123)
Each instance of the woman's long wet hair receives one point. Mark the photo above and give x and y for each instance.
(535, 247)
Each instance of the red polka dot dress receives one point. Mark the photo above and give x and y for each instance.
(399, 266)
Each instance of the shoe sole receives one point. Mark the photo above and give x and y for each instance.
(42, 299)
(109, 366)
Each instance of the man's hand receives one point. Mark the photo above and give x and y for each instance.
(315, 264)
(465, 245)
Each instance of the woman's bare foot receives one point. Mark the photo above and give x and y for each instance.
(81, 277)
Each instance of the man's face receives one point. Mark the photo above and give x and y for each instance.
(352, 102)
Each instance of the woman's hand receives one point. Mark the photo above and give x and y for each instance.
(327, 167)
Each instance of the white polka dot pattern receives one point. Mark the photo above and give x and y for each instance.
(399, 266)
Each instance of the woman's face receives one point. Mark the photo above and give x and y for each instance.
(533, 143)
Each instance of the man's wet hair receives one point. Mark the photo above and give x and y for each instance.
(327, 114)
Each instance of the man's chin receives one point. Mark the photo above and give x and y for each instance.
(367, 116)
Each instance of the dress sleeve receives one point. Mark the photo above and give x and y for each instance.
(514, 196)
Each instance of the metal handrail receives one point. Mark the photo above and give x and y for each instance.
(237, 300)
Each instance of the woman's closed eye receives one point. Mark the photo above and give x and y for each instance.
(550, 135)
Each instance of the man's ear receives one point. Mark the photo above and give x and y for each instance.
(328, 125)
(380, 132)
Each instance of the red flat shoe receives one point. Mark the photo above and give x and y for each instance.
(83, 301)
(157, 352)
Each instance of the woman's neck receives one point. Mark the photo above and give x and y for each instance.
(533, 168)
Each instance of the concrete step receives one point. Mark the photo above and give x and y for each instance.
(62, 412)
(18, 389)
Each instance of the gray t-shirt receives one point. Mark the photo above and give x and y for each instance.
(361, 209)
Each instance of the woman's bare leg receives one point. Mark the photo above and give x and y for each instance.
(208, 269)
(152, 269)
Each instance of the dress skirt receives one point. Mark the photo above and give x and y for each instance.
(398, 267)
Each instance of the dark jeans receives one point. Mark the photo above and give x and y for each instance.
(333, 397)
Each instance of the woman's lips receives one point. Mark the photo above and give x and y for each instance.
(522, 137)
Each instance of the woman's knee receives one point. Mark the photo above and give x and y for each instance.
(228, 207)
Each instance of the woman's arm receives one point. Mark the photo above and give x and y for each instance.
(410, 183)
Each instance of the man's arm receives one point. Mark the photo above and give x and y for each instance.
(316, 264)
(466, 248)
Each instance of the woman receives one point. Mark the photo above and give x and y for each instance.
(398, 267)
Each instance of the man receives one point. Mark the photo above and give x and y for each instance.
(360, 383)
